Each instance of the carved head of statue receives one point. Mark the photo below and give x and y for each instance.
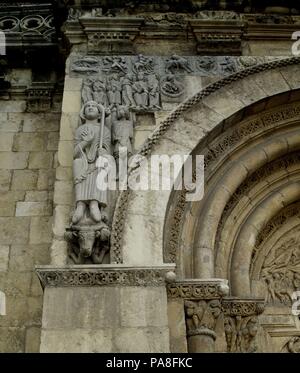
(91, 110)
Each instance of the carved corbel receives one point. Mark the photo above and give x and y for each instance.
(218, 36)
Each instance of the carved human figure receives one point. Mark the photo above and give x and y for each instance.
(99, 92)
(122, 132)
(127, 94)
(153, 87)
(114, 91)
(90, 199)
(201, 319)
(177, 63)
(140, 92)
(144, 64)
(207, 65)
(87, 91)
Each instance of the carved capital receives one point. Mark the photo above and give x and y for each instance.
(241, 323)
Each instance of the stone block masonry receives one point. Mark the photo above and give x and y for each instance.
(28, 143)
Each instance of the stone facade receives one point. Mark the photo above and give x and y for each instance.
(149, 271)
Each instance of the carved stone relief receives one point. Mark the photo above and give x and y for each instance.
(100, 135)
(292, 345)
(143, 83)
(281, 270)
(241, 324)
(201, 320)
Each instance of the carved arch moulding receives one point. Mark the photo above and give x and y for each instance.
(198, 120)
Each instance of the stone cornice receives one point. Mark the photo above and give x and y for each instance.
(104, 275)
(194, 289)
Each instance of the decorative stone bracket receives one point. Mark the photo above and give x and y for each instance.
(218, 37)
(105, 35)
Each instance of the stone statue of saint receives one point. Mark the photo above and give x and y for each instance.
(93, 139)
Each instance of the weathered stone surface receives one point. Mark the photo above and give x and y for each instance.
(176, 318)
(151, 340)
(96, 308)
(139, 307)
(41, 160)
(6, 141)
(37, 196)
(33, 209)
(41, 122)
(5, 177)
(53, 138)
(8, 202)
(14, 230)
(83, 340)
(12, 106)
(64, 173)
(10, 124)
(32, 339)
(13, 161)
(62, 216)
(24, 180)
(4, 257)
(12, 339)
(23, 258)
(46, 179)
(30, 142)
(40, 230)
(63, 193)
(65, 153)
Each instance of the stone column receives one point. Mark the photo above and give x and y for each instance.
(202, 306)
(104, 308)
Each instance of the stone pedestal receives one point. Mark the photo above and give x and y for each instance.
(104, 309)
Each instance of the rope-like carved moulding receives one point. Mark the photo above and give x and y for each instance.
(121, 206)
(198, 289)
(241, 324)
(87, 276)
